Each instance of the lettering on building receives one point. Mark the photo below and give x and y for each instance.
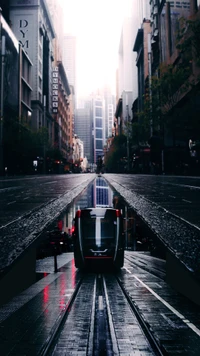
(23, 29)
(55, 90)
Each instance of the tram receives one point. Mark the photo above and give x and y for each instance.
(98, 237)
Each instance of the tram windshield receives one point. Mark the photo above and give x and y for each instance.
(98, 227)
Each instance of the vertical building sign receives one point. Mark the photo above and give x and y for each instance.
(55, 90)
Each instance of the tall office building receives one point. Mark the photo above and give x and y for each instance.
(56, 13)
(94, 122)
(109, 110)
(83, 127)
(98, 129)
(127, 72)
(69, 60)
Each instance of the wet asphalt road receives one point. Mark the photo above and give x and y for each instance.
(21, 195)
(28, 205)
(177, 194)
(170, 205)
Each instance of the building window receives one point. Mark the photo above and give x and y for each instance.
(98, 103)
(98, 112)
(40, 83)
(99, 144)
(99, 133)
(98, 123)
(40, 66)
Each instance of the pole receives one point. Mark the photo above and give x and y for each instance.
(126, 218)
(44, 153)
(3, 41)
(55, 260)
(162, 161)
(128, 164)
(150, 83)
(127, 122)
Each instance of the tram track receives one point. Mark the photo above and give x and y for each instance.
(53, 335)
(131, 332)
(100, 319)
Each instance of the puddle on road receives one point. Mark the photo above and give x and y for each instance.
(138, 237)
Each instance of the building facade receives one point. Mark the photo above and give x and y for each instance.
(177, 119)
(141, 47)
(15, 102)
(25, 88)
(61, 108)
(31, 24)
(83, 127)
(63, 93)
(69, 60)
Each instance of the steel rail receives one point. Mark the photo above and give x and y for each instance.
(149, 335)
(45, 350)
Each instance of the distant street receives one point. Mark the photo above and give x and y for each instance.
(179, 195)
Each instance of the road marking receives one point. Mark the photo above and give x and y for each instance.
(100, 302)
(172, 196)
(54, 181)
(183, 185)
(170, 322)
(12, 202)
(187, 201)
(188, 186)
(9, 188)
(179, 315)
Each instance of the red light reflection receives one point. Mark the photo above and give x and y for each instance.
(73, 269)
(46, 294)
(63, 287)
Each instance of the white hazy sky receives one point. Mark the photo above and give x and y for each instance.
(97, 25)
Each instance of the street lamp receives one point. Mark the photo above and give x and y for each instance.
(3, 51)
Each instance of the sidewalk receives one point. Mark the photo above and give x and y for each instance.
(29, 318)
